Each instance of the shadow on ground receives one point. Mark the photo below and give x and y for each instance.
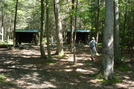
(24, 70)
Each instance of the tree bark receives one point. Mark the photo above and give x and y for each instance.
(15, 17)
(58, 24)
(72, 27)
(97, 21)
(108, 49)
(116, 33)
(74, 40)
(47, 30)
(42, 51)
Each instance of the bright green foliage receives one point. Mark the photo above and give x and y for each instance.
(2, 77)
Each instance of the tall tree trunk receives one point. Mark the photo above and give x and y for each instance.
(47, 30)
(42, 51)
(124, 27)
(74, 40)
(15, 18)
(97, 21)
(116, 33)
(72, 27)
(2, 23)
(58, 24)
(108, 49)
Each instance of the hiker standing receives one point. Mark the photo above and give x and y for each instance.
(79, 40)
(51, 40)
(92, 45)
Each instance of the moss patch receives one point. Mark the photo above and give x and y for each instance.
(100, 78)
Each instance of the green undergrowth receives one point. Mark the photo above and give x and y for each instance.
(50, 61)
(100, 78)
(6, 42)
(26, 43)
(77, 74)
(123, 67)
(109, 81)
(100, 44)
(2, 80)
(2, 77)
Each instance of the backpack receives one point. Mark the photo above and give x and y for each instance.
(91, 45)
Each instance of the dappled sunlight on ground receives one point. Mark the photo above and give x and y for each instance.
(24, 70)
(85, 71)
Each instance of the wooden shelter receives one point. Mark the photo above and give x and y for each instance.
(26, 36)
(80, 34)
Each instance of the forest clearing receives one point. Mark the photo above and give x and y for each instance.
(51, 44)
(23, 69)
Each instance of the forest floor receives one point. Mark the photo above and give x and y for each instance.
(23, 69)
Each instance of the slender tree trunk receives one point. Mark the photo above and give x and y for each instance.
(47, 30)
(72, 27)
(116, 33)
(108, 49)
(42, 51)
(58, 24)
(97, 21)
(75, 25)
(15, 18)
(124, 28)
(2, 25)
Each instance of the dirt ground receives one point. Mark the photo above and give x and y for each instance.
(23, 69)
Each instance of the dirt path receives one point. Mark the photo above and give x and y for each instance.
(24, 70)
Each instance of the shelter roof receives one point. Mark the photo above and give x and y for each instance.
(24, 30)
(80, 30)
